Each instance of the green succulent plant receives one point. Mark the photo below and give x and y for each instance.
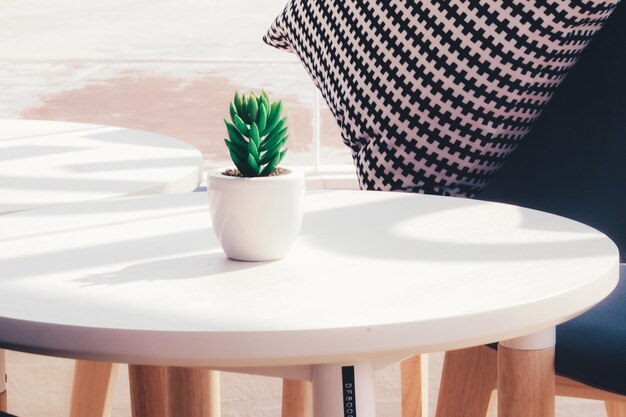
(256, 134)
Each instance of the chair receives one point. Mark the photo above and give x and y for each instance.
(571, 164)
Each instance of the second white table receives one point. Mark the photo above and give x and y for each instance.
(44, 163)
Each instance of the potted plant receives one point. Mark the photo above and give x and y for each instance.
(256, 206)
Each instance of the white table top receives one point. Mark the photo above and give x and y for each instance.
(372, 275)
(44, 163)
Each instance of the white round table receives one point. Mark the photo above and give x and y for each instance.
(373, 278)
(45, 162)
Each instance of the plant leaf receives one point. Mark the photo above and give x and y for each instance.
(281, 143)
(241, 164)
(274, 117)
(271, 140)
(238, 102)
(233, 110)
(270, 167)
(253, 143)
(282, 155)
(242, 127)
(276, 145)
(253, 108)
(266, 100)
(280, 127)
(242, 154)
(244, 110)
(236, 138)
(262, 117)
(253, 165)
(278, 148)
(254, 134)
(268, 156)
(282, 123)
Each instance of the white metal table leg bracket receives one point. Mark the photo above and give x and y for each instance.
(344, 390)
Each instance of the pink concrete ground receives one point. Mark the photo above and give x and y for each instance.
(160, 65)
(191, 109)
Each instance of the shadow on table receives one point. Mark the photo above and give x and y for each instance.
(49, 128)
(187, 267)
(137, 138)
(13, 153)
(132, 164)
(405, 226)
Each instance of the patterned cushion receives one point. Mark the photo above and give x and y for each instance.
(573, 161)
(431, 96)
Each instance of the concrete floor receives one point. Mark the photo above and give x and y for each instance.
(170, 67)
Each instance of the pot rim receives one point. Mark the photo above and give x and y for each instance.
(293, 172)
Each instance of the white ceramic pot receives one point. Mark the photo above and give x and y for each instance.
(256, 219)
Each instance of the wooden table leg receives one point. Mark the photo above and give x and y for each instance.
(615, 409)
(3, 381)
(92, 389)
(193, 392)
(467, 382)
(147, 390)
(414, 381)
(525, 380)
(297, 398)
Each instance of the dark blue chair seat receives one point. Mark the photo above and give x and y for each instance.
(592, 348)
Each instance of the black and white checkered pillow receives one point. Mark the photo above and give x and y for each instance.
(432, 95)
